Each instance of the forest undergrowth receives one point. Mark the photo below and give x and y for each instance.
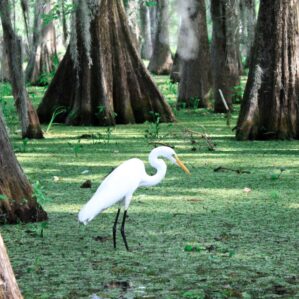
(230, 230)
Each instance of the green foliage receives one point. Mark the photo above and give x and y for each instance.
(190, 248)
(46, 77)
(36, 266)
(194, 294)
(39, 195)
(5, 97)
(23, 148)
(153, 129)
(56, 11)
(149, 3)
(59, 110)
(109, 131)
(42, 199)
(248, 240)
(76, 148)
(172, 87)
(275, 175)
(3, 197)
(102, 110)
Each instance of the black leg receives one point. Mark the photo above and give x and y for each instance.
(123, 230)
(114, 228)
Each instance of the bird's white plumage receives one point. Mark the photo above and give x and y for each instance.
(122, 182)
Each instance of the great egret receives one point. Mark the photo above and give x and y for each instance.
(122, 182)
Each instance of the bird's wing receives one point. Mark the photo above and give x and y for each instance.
(120, 184)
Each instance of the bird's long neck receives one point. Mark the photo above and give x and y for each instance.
(160, 165)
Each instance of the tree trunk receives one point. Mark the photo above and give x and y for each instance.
(161, 60)
(64, 23)
(226, 62)
(4, 68)
(17, 202)
(25, 12)
(176, 70)
(146, 47)
(270, 107)
(28, 117)
(153, 20)
(103, 82)
(132, 9)
(43, 53)
(195, 81)
(248, 21)
(8, 285)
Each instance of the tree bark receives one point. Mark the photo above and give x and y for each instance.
(195, 79)
(17, 202)
(132, 16)
(4, 68)
(161, 60)
(270, 107)
(64, 23)
(106, 82)
(248, 21)
(43, 53)
(176, 70)
(25, 12)
(8, 285)
(146, 46)
(153, 20)
(28, 117)
(226, 62)
(175, 74)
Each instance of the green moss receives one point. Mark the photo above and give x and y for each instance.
(248, 240)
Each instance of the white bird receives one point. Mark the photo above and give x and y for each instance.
(121, 183)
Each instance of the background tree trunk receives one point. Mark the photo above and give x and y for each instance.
(28, 117)
(4, 68)
(226, 62)
(270, 108)
(154, 20)
(248, 21)
(110, 84)
(132, 9)
(8, 285)
(195, 79)
(17, 203)
(147, 46)
(176, 70)
(43, 53)
(64, 24)
(25, 12)
(161, 60)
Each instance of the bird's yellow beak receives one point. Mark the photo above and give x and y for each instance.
(182, 165)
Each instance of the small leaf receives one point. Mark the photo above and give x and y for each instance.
(3, 197)
(151, 3)
(274, 176)
(231, 253)
(188, 248)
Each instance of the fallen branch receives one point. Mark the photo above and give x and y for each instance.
(228, 113)
(211, 145)
(239, 171)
